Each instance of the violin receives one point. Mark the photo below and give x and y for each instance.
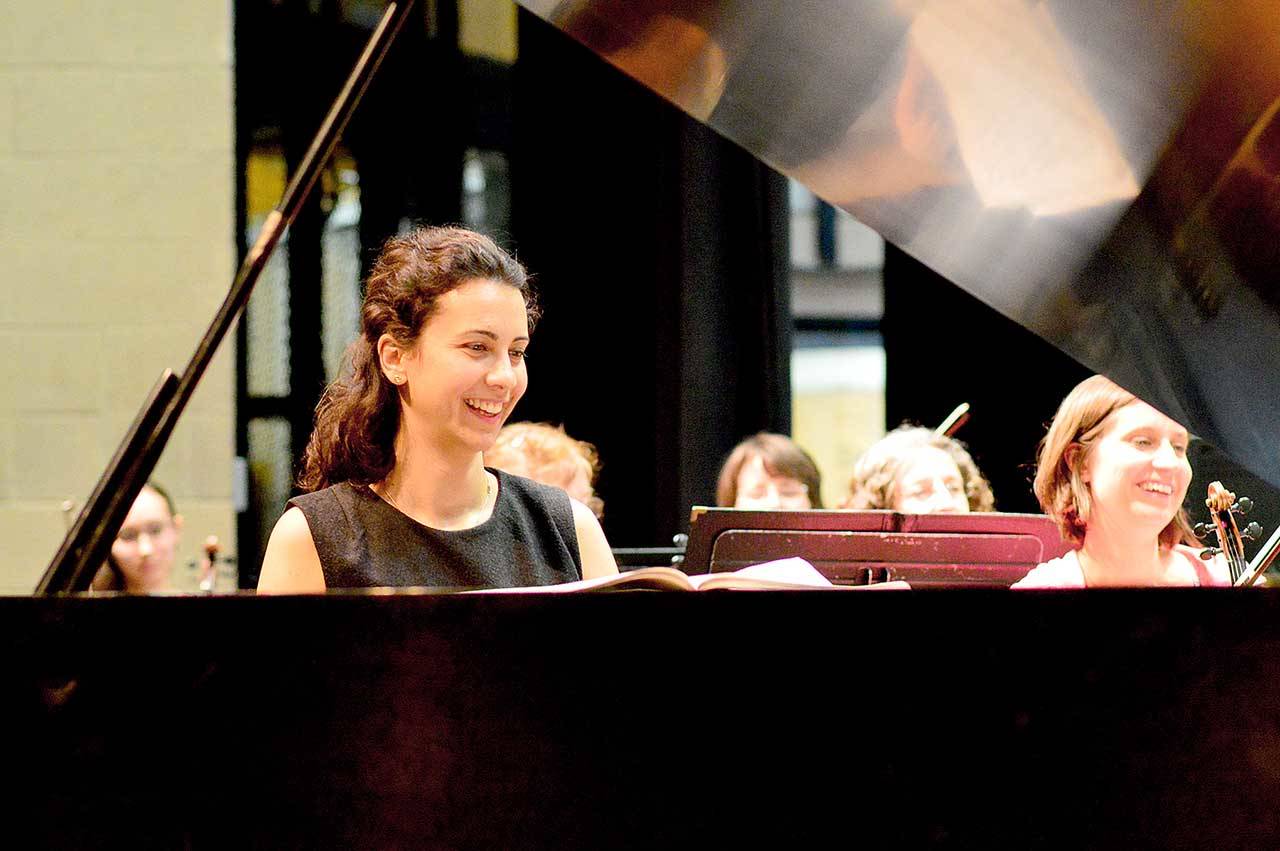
(1223, 508)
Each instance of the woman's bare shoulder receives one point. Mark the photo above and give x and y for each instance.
(291, 564)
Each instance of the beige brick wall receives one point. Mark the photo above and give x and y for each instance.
(117, 238)
(488, 28)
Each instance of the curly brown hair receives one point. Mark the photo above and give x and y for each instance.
(1061, 457)
(875, 475)
(359, 414)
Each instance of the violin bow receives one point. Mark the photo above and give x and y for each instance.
(954, 420)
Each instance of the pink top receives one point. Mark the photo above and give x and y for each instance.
(1065, 572)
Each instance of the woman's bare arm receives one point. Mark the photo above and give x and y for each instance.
(597, 557)
(291, 564)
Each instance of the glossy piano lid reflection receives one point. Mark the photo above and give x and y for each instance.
(1104, 172)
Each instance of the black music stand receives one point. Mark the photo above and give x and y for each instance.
(861, 547)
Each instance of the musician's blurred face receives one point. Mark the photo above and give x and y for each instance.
(466, 370)
(1137, 470)
(929, 482)
(147, 543)
(760, 489)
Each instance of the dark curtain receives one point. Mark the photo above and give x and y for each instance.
(661, 255)
(412, 128)
(943, 347)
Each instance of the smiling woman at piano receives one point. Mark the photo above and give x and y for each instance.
(398, 494)
(1113, 472)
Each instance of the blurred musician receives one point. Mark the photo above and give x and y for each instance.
(145, 549)
(398, 494)
(1113, 472)
(914, 470)
(769, 471)
(545, 453)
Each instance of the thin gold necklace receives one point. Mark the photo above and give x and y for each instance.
(386, 494)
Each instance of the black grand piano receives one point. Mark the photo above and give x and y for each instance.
(1105, 174)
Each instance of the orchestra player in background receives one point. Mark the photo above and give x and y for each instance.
(914, 470)
(1113, 472)
(145, 549)
(545, 453)
(769, 471)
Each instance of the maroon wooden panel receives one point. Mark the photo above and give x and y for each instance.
(857, 547)
(925, 575)
(860, 558)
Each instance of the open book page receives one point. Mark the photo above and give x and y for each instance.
(646, 578)
(785, 571)
(787, 574)
(790, 574)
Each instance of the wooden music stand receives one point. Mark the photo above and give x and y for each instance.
(861, 547)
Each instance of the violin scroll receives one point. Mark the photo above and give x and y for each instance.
(1220, 499)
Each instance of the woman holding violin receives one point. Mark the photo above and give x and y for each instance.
(1113, 472)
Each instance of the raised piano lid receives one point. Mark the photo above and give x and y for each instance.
(1104, 172)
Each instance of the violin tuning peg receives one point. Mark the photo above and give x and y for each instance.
(1244, 505)
(1200, 530)
(1209, 552)
(1251, 532)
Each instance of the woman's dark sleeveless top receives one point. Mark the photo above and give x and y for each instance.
(530, 539)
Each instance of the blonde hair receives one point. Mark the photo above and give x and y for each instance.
(1061, 457)
(545, 453)
(781, 456)
(875, 475)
